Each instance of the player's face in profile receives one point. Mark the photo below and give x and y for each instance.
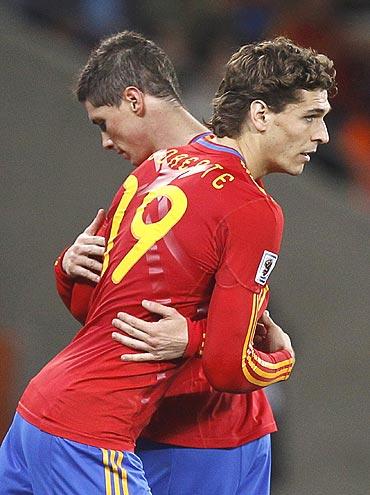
(297, 131)
(121, 131)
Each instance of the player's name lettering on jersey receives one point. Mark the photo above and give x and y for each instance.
(182, 162)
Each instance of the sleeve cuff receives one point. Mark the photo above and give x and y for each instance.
(196, 335)
(58, 268)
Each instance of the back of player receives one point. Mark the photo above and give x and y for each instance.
(167, 241)
(163, 245)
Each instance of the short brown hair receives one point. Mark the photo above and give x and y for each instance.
(126, 59)
(272, 71)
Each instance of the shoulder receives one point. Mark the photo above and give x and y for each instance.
(256, 212)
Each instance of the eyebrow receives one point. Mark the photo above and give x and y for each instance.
(319, 111)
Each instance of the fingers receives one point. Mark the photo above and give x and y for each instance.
(160, 309)
(95, 240)
(261, 330)
(137, 345)
(96, 223)
(130, 342)
(266, 319)
(81, 266)
(91, 264)
(128, 322)
(86, 274)
(88, 247)
(130, 329)
(140, 358)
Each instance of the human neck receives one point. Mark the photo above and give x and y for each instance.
(171, 123)
(248, 145)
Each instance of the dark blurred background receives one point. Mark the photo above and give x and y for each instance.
(54, 177)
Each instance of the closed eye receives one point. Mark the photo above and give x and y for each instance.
(101, 124)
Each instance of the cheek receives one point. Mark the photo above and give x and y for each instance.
(291, 141)
(113, 130)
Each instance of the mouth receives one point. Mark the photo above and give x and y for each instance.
(307, 155)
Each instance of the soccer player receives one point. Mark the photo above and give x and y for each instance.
(214, 427)
(83, 412)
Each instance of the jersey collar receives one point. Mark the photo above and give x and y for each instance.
(205, 140)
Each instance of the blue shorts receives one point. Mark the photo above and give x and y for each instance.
(171, 470)
(35, 462)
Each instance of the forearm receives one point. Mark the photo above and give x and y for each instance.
(230, 360)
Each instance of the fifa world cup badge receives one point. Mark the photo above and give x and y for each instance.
(267, 263)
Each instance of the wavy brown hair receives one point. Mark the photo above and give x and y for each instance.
(273, 71)
(126, 59)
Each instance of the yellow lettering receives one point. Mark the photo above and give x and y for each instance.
(175, 160)
(185, 164)
(218, 182)
(169, 154)
(214, 167)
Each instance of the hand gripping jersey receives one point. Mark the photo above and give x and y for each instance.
(192, 413)
(189, 228)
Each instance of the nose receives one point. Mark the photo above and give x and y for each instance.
(106, 141)
(321, 134)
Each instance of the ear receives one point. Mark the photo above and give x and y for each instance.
(259, 114)
(135, 98)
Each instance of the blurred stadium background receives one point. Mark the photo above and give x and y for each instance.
(54, 177)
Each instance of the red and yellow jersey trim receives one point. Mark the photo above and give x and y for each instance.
(255, 369)
(115, 475)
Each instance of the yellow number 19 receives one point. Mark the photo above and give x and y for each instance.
(147, 234)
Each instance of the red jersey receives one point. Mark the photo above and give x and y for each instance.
(188, 224)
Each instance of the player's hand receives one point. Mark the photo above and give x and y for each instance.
(156, 341)
(269, 337)
(84, 257)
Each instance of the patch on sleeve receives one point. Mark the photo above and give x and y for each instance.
(267, 263)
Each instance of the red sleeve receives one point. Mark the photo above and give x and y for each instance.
(80, 301)
(252, 238)
(196, 336)
(64, 283)
(230, 362)
(75, 293)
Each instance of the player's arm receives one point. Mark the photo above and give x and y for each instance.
(249, 240)
(232, 360)
(77, 268)
(174, 336)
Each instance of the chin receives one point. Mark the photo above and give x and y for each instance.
(297, 170)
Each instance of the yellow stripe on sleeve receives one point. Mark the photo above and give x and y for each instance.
(250, 329)
(262, 296)
(261, 383)
(267, 374)
(272, 366)
(251, 360)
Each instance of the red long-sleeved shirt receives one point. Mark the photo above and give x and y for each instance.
(182, 230)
